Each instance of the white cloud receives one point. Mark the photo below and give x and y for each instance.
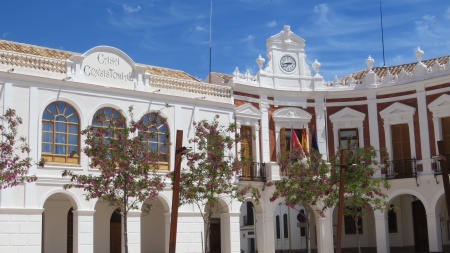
(130, 9)
(109, 11)
(200, 28)
(248, 38)
(272, 24)
(448, 12)
(5, 34)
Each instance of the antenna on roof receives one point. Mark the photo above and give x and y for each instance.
(210, 42)
(382, 34)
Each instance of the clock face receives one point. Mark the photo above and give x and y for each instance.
(288, 63)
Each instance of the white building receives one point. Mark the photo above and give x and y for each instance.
(404, 108)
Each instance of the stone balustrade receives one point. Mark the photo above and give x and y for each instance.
(32, 61)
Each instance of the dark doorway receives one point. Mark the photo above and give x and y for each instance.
(70, 231)
(214, 238)
(252, 245)
(115, 233)
(420, 226)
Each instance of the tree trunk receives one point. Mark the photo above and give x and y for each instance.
(208, 228)
(308, 238)
(357, 233)
(125, 231)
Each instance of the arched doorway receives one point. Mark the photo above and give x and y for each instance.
(407, 223)
(294, 228)
(247, 224)
(356, 232)
(106, 220)
(57, 224)
(154, 227)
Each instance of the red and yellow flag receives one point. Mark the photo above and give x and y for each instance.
(295, 143)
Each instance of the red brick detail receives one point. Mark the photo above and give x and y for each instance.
(436, 87)
(238, 103)
(245, 94)
(396, 94)
(333, 100)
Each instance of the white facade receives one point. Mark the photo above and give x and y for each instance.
(283, 94)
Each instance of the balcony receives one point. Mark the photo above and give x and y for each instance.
(254, 172)
(436, 164)
(406, 168)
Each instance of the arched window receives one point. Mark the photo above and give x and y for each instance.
(60, 134)
(104, 116)
(157, 137)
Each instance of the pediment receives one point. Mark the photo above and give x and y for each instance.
(291, 114)
(347, 114)
(107, 65)
(248, 111)
(441, 102)
(398, 109)
(441, 106)
(286, 37)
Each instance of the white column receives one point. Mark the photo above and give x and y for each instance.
(423, 129)
(229, 230)
(434, 232)
(256, 143)
(321, 130)
(265, 144)
(412, 138)
(324, 226)
(238, 131)
(373, 124)
(277, 139)
(381, 232)
(6, 194)
(167, 217)
(260, 233)
(33, 142)
(83, 231)
(269, 242)
(437, 131)
(134, 231)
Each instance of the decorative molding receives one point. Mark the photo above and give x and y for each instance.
(398, 113)
(291, 116)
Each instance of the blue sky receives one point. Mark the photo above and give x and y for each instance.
(175, 34)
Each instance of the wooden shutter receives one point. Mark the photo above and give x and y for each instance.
(446, 134)
(283, 143)
(401, 147)
(246, 150)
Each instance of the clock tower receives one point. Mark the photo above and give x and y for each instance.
(286, 67)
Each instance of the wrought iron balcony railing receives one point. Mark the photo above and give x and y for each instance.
(254, 172)
(436, 164)
(406, 168)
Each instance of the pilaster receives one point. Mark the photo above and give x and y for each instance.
(423, 129)
(381, 232)
(134, 231)
(265, 143)
(434, 232)
(83, 231)
(324, 227)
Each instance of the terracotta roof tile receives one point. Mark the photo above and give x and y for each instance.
(223, 76)
(170, 73)
(34, 50)
(395, 70)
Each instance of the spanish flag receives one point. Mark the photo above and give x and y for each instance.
(295, 143)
